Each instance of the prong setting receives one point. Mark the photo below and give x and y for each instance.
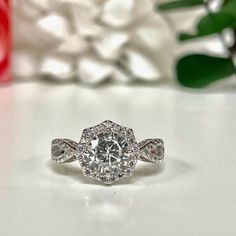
(109, 152)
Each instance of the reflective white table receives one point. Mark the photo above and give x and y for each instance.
(192, 194)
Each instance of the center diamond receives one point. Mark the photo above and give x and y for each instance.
(109, 148)
(108, 152)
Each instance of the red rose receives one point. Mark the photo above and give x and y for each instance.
(5, 41)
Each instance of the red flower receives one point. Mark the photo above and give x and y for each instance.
(5, 42)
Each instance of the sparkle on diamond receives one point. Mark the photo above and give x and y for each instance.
(109, 154)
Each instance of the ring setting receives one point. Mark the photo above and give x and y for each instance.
(107, 152)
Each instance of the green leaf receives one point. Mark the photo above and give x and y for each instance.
(212, 24)
(179, 4)
(199, 70)
(230, 7)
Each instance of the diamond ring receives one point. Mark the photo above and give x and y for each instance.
(108, 151)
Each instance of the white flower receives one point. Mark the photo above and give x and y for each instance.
(90, 41)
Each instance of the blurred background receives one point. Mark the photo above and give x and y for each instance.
(120, 41)
(164, 68)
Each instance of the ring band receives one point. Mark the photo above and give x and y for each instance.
(108, 151)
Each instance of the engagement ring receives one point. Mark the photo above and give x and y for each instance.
(108, 151)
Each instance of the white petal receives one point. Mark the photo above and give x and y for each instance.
(149, 37)
(122, 76)
(73, 44)
(56, 67)
(24, 63)
(153, 32)
(40, 5)
(26, 33)
(24, 9)
(108, 45)
(87, 3)
(140, 66)
(54, 24)
(83, 17)
(92, 71)
(142, 8)
(118, 13)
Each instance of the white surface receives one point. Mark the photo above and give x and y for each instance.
(192, 194)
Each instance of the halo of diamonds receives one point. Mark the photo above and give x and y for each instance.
(108, 152)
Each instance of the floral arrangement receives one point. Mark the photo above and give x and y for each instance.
(90, 41)
(96, 41)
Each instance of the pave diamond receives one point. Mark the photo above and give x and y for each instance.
(109, 152)
(64, 150)
(152, 150)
